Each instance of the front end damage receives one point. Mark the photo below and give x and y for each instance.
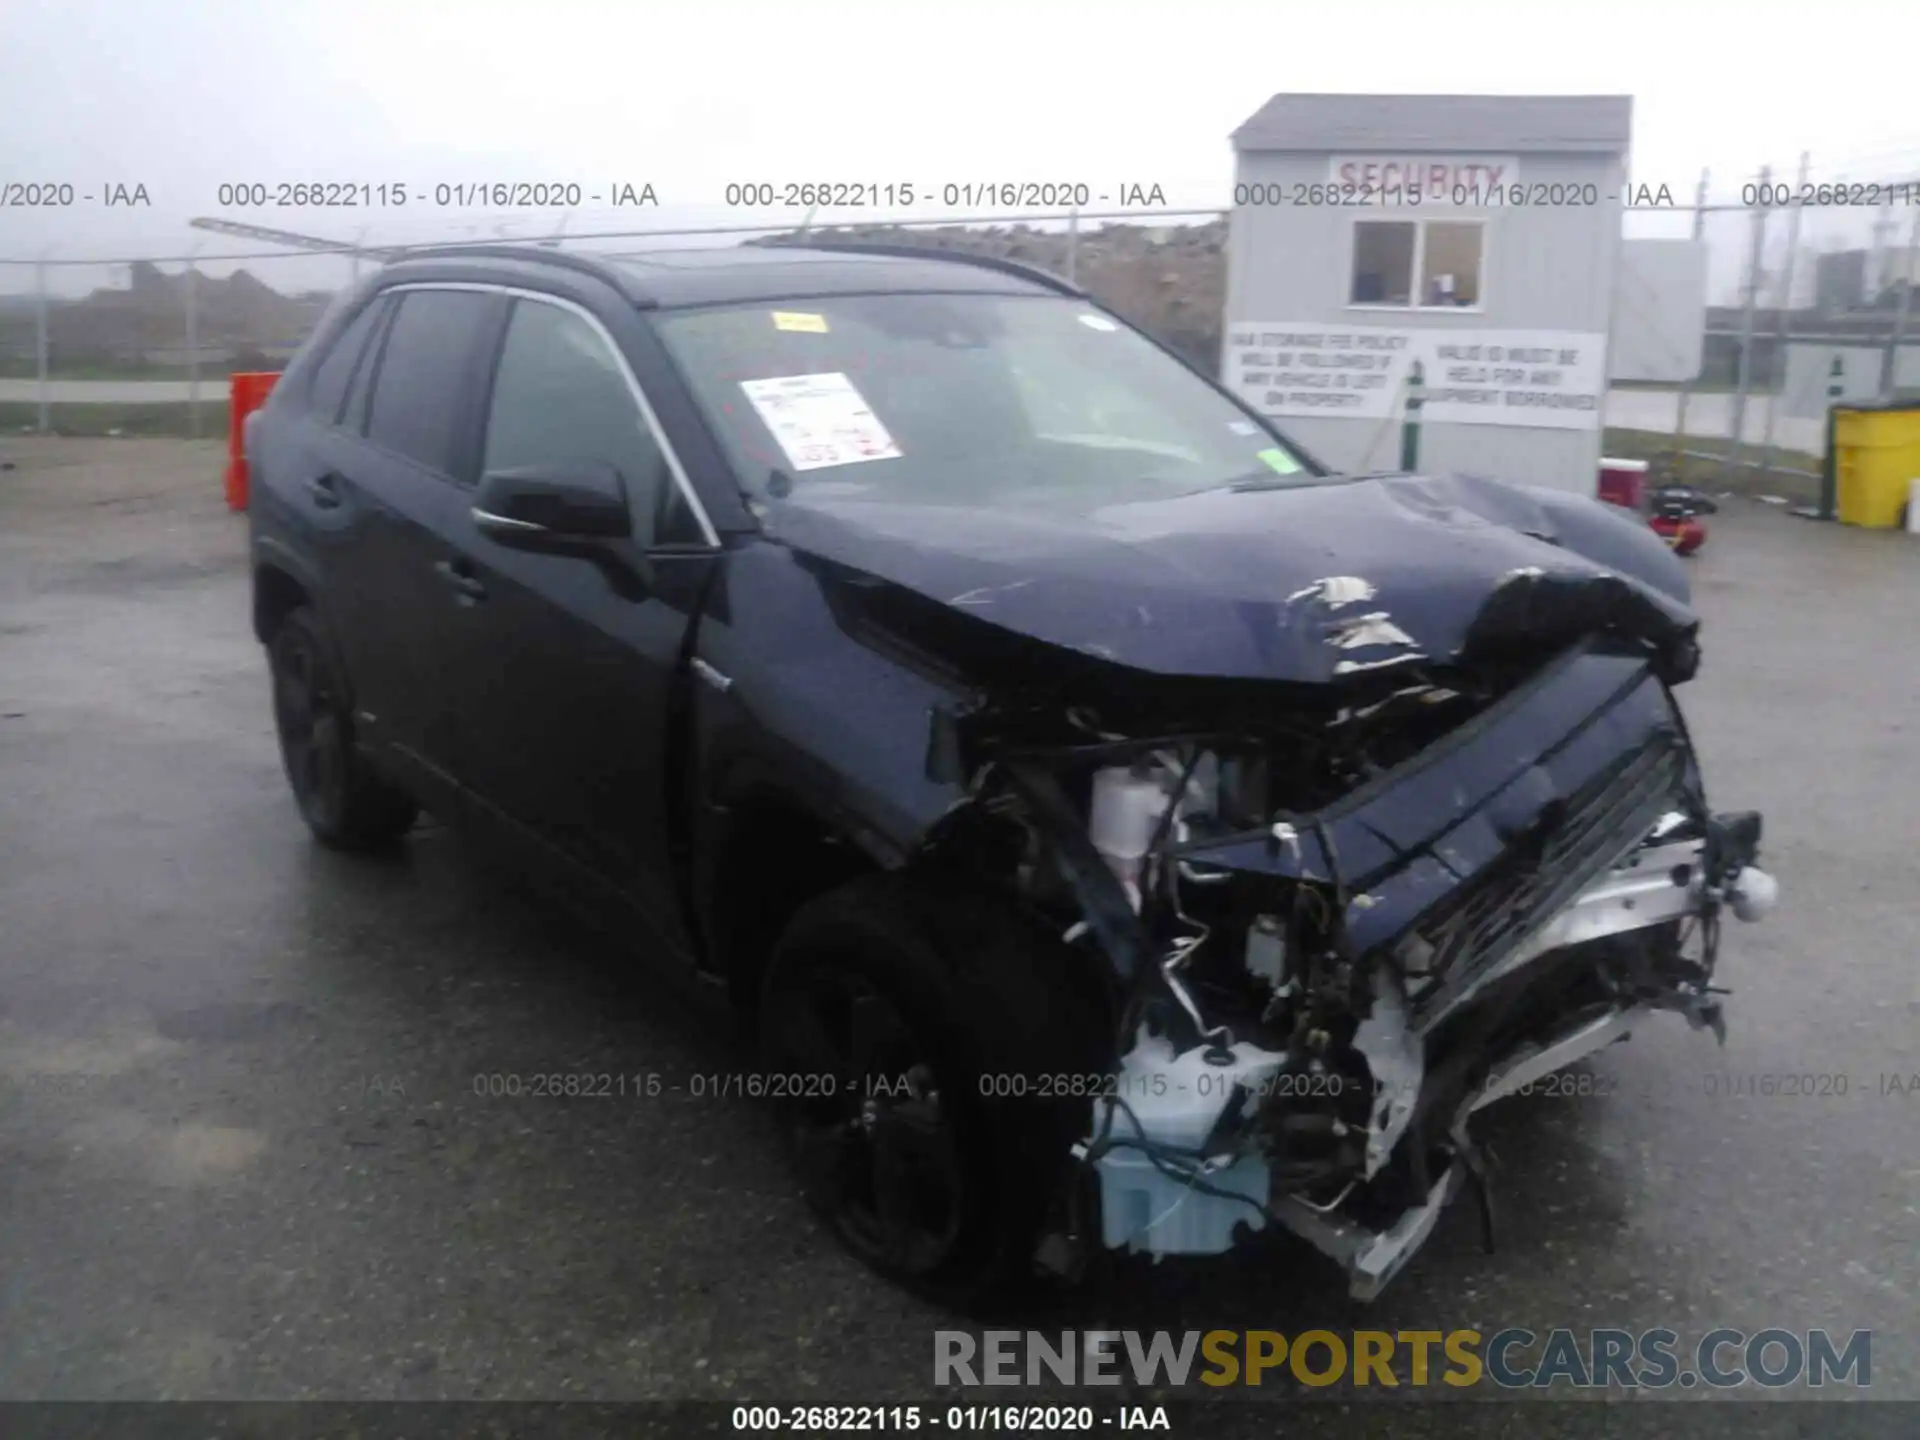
(1353, 854)
(1340, 920)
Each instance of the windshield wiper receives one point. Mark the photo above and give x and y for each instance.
(1261, 480)
(1252, 480)
(1267, 480)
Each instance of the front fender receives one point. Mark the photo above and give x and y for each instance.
(1616, 538)
(798, 708)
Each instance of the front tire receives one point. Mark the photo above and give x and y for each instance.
(344, 803)
(924, 1036)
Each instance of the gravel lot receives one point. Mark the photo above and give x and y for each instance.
(242, 1156)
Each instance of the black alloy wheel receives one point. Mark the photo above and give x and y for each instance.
(907, 1020)
(343, 802)
(312, 733)
(875, 1140)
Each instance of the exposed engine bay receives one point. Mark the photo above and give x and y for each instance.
(1339, 927)
(1356, 853)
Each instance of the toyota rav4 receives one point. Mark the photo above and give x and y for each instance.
(1122, 832)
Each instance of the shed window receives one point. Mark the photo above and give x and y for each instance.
(1445, 256)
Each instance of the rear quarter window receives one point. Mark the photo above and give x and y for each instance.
(328, 393)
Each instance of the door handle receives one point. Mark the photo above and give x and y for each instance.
(461, 579)
(325, 492)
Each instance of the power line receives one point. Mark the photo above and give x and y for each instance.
(314, 246)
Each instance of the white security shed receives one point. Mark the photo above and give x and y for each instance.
(1477, 235)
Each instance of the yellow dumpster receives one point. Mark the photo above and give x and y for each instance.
(1876, 457)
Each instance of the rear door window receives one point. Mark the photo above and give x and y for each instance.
(424, 379)
(328, 393)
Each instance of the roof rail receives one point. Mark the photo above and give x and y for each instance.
(572, 260)
(929, 252)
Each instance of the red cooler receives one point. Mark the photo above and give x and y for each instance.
(1624, 483)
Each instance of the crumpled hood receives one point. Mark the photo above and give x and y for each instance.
(1306, 584)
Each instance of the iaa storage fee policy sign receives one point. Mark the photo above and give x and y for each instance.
(1547, 379)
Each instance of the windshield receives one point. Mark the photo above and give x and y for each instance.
(1004, 400)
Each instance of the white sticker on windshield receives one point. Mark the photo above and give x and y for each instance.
(820, 420)
(1097, 322)
(1242, 427)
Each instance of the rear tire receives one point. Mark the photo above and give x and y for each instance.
(896, 1014)
(344, 803)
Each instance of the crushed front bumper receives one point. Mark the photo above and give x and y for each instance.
(1566, 823)
(1176, 1100)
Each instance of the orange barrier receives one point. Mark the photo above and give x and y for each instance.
(249, 394)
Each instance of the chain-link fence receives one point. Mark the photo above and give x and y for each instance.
(1809, 301)
(1808, 281)
(145, 346)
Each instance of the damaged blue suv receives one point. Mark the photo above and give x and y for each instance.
(1123, 833)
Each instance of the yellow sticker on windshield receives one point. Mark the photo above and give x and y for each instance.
(799, 320)
(1280, 462)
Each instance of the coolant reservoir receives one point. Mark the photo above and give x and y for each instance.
(1126, 810)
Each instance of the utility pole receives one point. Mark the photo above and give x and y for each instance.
(1754, 255)
(1686, 389)
(192, 278)
(40, 341)
(1782, 301)
(1878, 265)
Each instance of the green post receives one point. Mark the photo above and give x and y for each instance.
(1410, 428)
(1836, 386)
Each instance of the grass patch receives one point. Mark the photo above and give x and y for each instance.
(170, 418)
(162, 417)
(1698, 387)
(1658, 449)
(82, 370)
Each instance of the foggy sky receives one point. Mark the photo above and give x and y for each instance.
(181, 95)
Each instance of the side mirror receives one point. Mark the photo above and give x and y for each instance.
(553, 507)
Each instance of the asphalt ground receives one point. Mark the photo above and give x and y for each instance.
(244, 1154)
